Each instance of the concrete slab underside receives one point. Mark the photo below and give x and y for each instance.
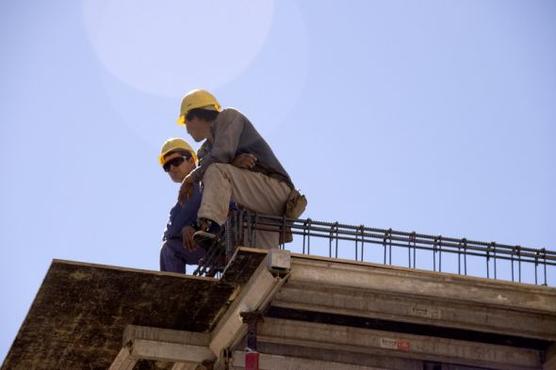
(81, 310)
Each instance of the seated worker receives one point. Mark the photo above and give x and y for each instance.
(264, 187)
(178, 159)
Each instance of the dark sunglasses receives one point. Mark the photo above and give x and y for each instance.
(175, 162)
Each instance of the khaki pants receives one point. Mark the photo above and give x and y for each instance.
(254, 191)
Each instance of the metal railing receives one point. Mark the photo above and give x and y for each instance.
(391, 247)
(386, 246)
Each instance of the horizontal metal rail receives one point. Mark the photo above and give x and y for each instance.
(242, 226)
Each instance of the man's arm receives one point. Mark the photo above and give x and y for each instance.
(189, 217)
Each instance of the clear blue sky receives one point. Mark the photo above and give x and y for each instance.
(434, 116)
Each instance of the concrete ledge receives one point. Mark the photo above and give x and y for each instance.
(333, 273)
(182, 347)
(414, 308)
(254, 296)
(346, 339)
(273, 362)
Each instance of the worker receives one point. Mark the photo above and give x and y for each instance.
(178, 159)
(178, 249)
(263, 186)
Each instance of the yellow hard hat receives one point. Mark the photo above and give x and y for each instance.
(197, 98)
(173, 144)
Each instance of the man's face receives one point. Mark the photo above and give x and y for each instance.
(197, 128)
(177, 172)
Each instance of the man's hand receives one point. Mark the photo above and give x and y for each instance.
(186, 190)
(245, 160)
(187, 237)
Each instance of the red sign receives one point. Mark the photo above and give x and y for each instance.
(252, 361)
(403, 345)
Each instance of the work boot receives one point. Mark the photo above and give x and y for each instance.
(207, 233)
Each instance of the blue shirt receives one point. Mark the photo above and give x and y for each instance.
(183, 216)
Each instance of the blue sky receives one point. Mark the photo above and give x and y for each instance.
(434, 116)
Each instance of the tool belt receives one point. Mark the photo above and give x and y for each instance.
(295, 206)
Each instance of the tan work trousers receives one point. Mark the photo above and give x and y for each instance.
(254, 191)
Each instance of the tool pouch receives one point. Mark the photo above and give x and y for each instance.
(295, 205)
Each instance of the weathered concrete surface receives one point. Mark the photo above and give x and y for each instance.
(351, 274)
(423, 297)
(332, 310)
(338, 339)
(382, 361)
(273, 362)
(243, 264)
(254, 296)
(183, 348)
(413, 308)
(550, 358)
(78, 317)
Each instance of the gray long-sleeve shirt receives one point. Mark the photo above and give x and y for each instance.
(234, 134)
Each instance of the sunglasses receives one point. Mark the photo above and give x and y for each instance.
(175, 162)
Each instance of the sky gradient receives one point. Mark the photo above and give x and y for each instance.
(433, 116)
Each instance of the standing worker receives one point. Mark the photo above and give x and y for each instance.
(263, 187)
(178, 159)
